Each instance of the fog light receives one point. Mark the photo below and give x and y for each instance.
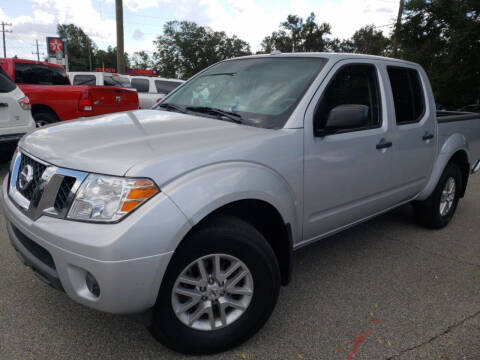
(92, 285)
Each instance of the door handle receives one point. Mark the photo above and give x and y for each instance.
(383, 144)
(3, 105)
(428, 136)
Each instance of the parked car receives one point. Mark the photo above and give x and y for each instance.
(152, 89)
(53, 99)
(15, 117)
(99, 78)
(194, 210)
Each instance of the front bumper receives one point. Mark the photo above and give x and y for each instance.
(128, 259)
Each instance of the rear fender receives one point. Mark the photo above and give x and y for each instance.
(456, 142)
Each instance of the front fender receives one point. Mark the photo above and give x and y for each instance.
(204, 190)
(456, 142)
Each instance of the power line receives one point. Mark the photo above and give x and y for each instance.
(3, 33)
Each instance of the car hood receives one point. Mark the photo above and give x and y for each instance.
(113, 144)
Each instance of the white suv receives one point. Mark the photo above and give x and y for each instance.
(15, 115)
(152, 89)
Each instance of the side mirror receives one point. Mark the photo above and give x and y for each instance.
(349, 116)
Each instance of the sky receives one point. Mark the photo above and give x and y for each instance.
(250, 20)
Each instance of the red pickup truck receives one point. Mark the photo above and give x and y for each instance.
(54, 99)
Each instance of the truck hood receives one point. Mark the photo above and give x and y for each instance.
(113, 144)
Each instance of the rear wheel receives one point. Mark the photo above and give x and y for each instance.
(45, 118)
(219, 289)
(437, 211)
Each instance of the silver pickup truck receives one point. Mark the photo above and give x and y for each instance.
(191, 212)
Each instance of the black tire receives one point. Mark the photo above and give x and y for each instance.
(427, 212)
(231, 236)
(44, 118)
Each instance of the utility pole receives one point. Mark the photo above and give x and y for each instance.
(120, 54)
(37, 52)
(398, 24)
(5, 31)
(400, 13)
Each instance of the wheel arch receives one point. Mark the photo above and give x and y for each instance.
(456, 150)
(40, 108)
(251, 192)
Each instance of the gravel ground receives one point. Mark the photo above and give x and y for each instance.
(386, 289)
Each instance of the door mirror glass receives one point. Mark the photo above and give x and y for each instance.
(343, 117)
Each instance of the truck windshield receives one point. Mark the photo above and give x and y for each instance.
(38, 74)
(263, 91)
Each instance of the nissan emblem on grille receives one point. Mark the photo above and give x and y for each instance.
(38, 188)
(25, 178)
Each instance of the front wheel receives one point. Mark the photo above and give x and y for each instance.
(437, 211)
(220, 288)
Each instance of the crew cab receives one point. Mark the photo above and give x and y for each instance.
(99, 78)
(15, 117)
(53, 99)
(191, 212)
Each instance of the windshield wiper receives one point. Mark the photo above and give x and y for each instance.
(172, 107)
(237, 118)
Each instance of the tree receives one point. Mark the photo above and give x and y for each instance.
(141, 60)
(108, 58)
(443, 36)
(297, 35)
(81, 49)
(186, 48)
(367, 40)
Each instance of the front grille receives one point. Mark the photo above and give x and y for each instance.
(63, 192)
(47, 189)
(38, 169)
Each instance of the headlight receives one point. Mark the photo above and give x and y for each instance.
(109, 198)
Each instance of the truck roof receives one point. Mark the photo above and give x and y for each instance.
(328, 55)
(27, 61)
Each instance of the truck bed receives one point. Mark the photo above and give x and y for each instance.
(465, 124)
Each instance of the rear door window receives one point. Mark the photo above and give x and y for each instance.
(6, 84)
(408, 95)
(142, 85)
(164, 87)
(38, 74)
(84, 80)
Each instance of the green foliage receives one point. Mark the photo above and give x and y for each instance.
(108, 58)
(81, 48)
(297, 35)
(186, 48)
(141, 60)
(444, 37)
(367, 40)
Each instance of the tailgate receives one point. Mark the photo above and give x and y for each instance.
(108, 99)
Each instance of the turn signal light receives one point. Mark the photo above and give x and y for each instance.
(140, 191)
